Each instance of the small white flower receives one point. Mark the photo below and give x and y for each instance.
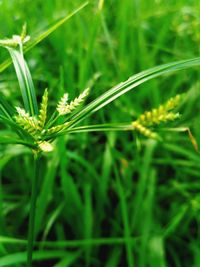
(62, 104)
(21, 112)
(45, 146)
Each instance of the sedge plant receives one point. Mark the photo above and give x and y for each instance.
(31, 124)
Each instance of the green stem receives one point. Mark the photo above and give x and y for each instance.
(2, 223)
(31, 225)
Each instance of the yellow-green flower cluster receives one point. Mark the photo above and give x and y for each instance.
(38, 127)
(16, 39)
(156, 116)
(64, 108)
(28, 123)
(57, 128)
(43, 110)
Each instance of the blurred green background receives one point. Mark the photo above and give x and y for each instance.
(106, 199)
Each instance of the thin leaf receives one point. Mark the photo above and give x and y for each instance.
(41, 36)
(95, 128)
(108, 241)
(20, 257)
(25, 81)
(131, 83)
(5, 109)
(9, 140)
(18, 129)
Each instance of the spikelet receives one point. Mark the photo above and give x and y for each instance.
(30, 124)
(173, 102)
(45, 146)
(144, 130)
(57, 128)
(161, 114)
(16, 39)
(62, 104)
(43, 110)
(23, 32)
(64, 108)
(9, 42)
(156, 116)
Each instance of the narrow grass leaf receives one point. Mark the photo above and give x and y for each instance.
(5, 109)
(109, 241)
(19, 130)
(13, 259)
(45, 195)
(125, 218)
(175, 222)
(41, 36)
(106, 127)
(25, 82)
(131, 83)
(147, 223)
(157, 252)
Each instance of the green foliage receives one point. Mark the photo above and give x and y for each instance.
(106, 196)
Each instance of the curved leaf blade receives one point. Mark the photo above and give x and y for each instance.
(5, 109)
(41, 36)
(129, 84)
(25, 82)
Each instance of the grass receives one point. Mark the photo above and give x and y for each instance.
(106, 199)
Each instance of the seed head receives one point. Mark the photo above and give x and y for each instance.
(43, 110)
(63, 108)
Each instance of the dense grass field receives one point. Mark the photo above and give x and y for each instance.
(105, 199)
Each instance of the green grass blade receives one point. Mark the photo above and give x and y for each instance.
(147, 223)
(54, 27)
(102, 127)
(41, 36)
(13, 259)
(25, 82)
(17, 128)
(45, 195)
(125, 218)
(95, 128)
(131, 83)
(10, 140)
(176, 221)
(107, 241)
(156, 253)
(5, 109)
(88, 221)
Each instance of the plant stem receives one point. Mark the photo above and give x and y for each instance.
(31, 225)
(2, 223)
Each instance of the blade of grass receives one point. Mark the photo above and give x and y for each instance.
(110, 241)
(10, 140)
(41, 36)
(55, 214)
(88, 221)
(25, 82)
(96, 128)
(114, 258)
(20, 131)
(13, 259)
(124, 211)
(86, 62)
(131, 83)
(142, 184)
(45, 195)
(102, 127)
(31, 225)
(69, 188)
(5, 109)
(176, 221)
(157, 252)
(147, 223)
